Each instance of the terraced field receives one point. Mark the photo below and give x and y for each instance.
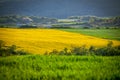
(38, 41)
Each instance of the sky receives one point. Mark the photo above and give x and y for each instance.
(60, 8)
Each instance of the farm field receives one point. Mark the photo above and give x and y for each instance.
(113, 34)
(36, 67)
(38, 41)
(55, 67)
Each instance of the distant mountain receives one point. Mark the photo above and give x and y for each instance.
(72, 21)
(94, 21)
(20, 20)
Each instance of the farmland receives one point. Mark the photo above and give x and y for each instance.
(59, 40)
(36, 67)
(113, 34)
(56, 67)
(38, 41)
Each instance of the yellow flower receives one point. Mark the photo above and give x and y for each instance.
(38, 41)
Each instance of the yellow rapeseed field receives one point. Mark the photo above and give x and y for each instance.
(38, 41)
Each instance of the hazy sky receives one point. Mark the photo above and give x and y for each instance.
(60, 8)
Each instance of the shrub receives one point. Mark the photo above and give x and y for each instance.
(97, 27)
(2, 26)
(54, 52)
(2, 44)
(9, 50)
(28, 26)
(12, 49)
(21, 52)
(109, 50)
(79, 50)
(86, 27)
(107, 28)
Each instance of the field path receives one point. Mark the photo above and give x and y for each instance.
(38, 41)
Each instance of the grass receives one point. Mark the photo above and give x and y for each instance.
(113, 34)
(56, 67)
(34, 67)
(38, 41)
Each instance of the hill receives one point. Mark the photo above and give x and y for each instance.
(70, 22)
(39, 41)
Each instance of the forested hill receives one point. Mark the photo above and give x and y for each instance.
(16, 19)
(87, 21)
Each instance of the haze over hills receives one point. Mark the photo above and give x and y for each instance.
(60, 8)
(70, 22)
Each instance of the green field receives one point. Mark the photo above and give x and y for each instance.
(64, 67)
(113, 34)
(34, 67)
